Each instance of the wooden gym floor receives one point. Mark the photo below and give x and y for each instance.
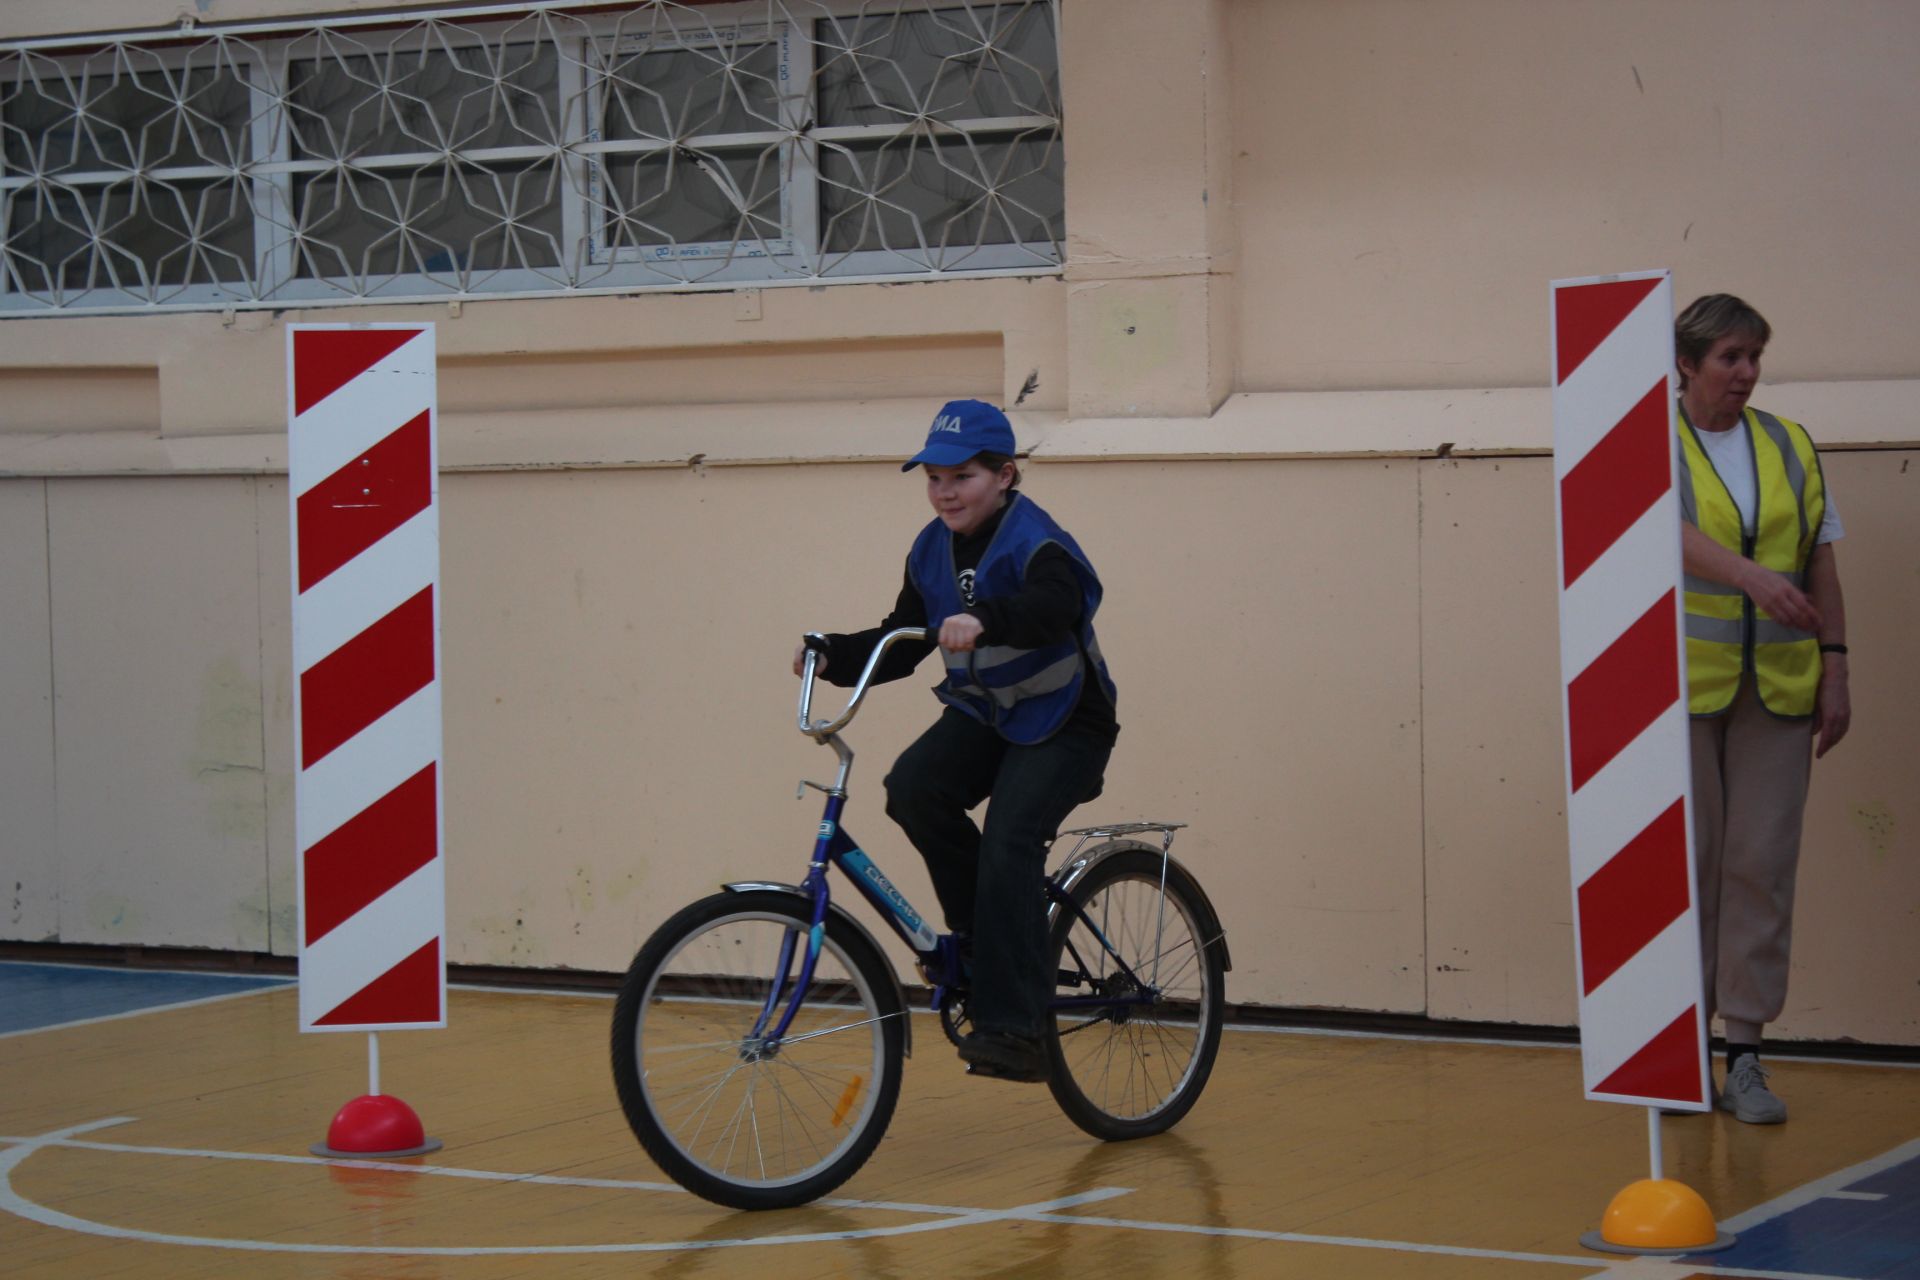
(160, 1128)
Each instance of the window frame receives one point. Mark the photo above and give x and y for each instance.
(264, 54)
(78, 182)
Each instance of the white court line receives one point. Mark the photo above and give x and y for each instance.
(1347, 1242)
(1821, 1188)
(12, 1202)
(274, 985)
(584, 993)
(947, 1217)
(442, 1171)
(1774, 1053)
(1665, 1268)
(1258, 1028)
(80, 966)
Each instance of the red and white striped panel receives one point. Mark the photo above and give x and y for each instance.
(366, 640)
(1623, 668)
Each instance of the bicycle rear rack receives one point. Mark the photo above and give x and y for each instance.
(1117, 829)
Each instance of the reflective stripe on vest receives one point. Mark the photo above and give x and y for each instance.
(1727, 635)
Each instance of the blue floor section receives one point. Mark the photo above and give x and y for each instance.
(34, 996)
(1859, 1239)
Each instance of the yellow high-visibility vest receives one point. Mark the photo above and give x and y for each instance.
(1727, 634)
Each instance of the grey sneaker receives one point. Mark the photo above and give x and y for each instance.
(1747, 1095)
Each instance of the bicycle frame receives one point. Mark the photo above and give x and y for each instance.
(937, 953)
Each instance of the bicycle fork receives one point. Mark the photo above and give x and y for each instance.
(762, 1042)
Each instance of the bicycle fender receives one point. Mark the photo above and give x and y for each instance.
(1076, 870)
(841, 913)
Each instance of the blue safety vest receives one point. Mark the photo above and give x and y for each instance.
(1025, 694)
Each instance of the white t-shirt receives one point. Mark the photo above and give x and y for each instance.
(1731, 456)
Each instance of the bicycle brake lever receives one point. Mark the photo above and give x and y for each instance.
(800, 791)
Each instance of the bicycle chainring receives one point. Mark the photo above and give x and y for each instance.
(954, 1019)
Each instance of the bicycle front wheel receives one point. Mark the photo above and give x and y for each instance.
(726, 1110)
(1141, 995)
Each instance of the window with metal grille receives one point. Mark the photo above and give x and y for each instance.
(529, 149)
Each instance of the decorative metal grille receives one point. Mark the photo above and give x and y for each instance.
(529, 150)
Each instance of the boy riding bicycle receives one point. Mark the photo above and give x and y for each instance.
(1029, 719)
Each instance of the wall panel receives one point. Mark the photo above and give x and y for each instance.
(1499, 911)
(29, 860)
(1856, 951)
(156, 641)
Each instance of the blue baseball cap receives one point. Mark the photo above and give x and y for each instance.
(962, 429)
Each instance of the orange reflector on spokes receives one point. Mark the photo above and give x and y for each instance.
(846, 1100)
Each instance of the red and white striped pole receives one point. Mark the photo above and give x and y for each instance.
(362, 480)
(1628, 767)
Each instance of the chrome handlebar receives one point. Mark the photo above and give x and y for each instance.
(825, 729)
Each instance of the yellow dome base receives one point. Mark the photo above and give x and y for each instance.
(1657, 1215)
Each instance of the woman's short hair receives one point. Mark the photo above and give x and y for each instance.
(994, 461)
(1709, 319)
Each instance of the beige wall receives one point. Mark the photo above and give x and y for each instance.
(1310, 247)
(1419, 169)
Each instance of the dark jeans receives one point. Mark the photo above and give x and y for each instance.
(989, 879)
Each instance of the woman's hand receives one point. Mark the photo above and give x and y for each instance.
(1833, 705)
(1778, 598)
(800, 659)
(960, 632)
(1833, 711)
(1772, 592)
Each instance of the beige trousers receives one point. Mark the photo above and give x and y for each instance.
(1750, 773)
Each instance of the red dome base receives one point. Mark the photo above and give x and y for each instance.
(376, 1124)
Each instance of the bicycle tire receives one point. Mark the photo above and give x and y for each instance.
(744, 1124)
(1131, 1072)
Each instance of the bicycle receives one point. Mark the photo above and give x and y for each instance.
(759, 1034)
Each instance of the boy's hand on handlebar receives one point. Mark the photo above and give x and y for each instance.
(960, 632)
(800, 658)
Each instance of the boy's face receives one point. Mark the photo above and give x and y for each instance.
(966, 496)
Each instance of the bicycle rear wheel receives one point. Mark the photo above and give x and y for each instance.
(1134, 1067)
(727, 1112)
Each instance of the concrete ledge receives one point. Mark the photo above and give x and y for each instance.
(1495, 422)
(1465, 423)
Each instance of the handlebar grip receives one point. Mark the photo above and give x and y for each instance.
(825, 729)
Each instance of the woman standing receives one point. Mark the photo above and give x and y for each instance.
(1029, 717)
(1766, 670)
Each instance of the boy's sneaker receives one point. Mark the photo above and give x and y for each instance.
(1002, 1055)
(1747, 1095)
